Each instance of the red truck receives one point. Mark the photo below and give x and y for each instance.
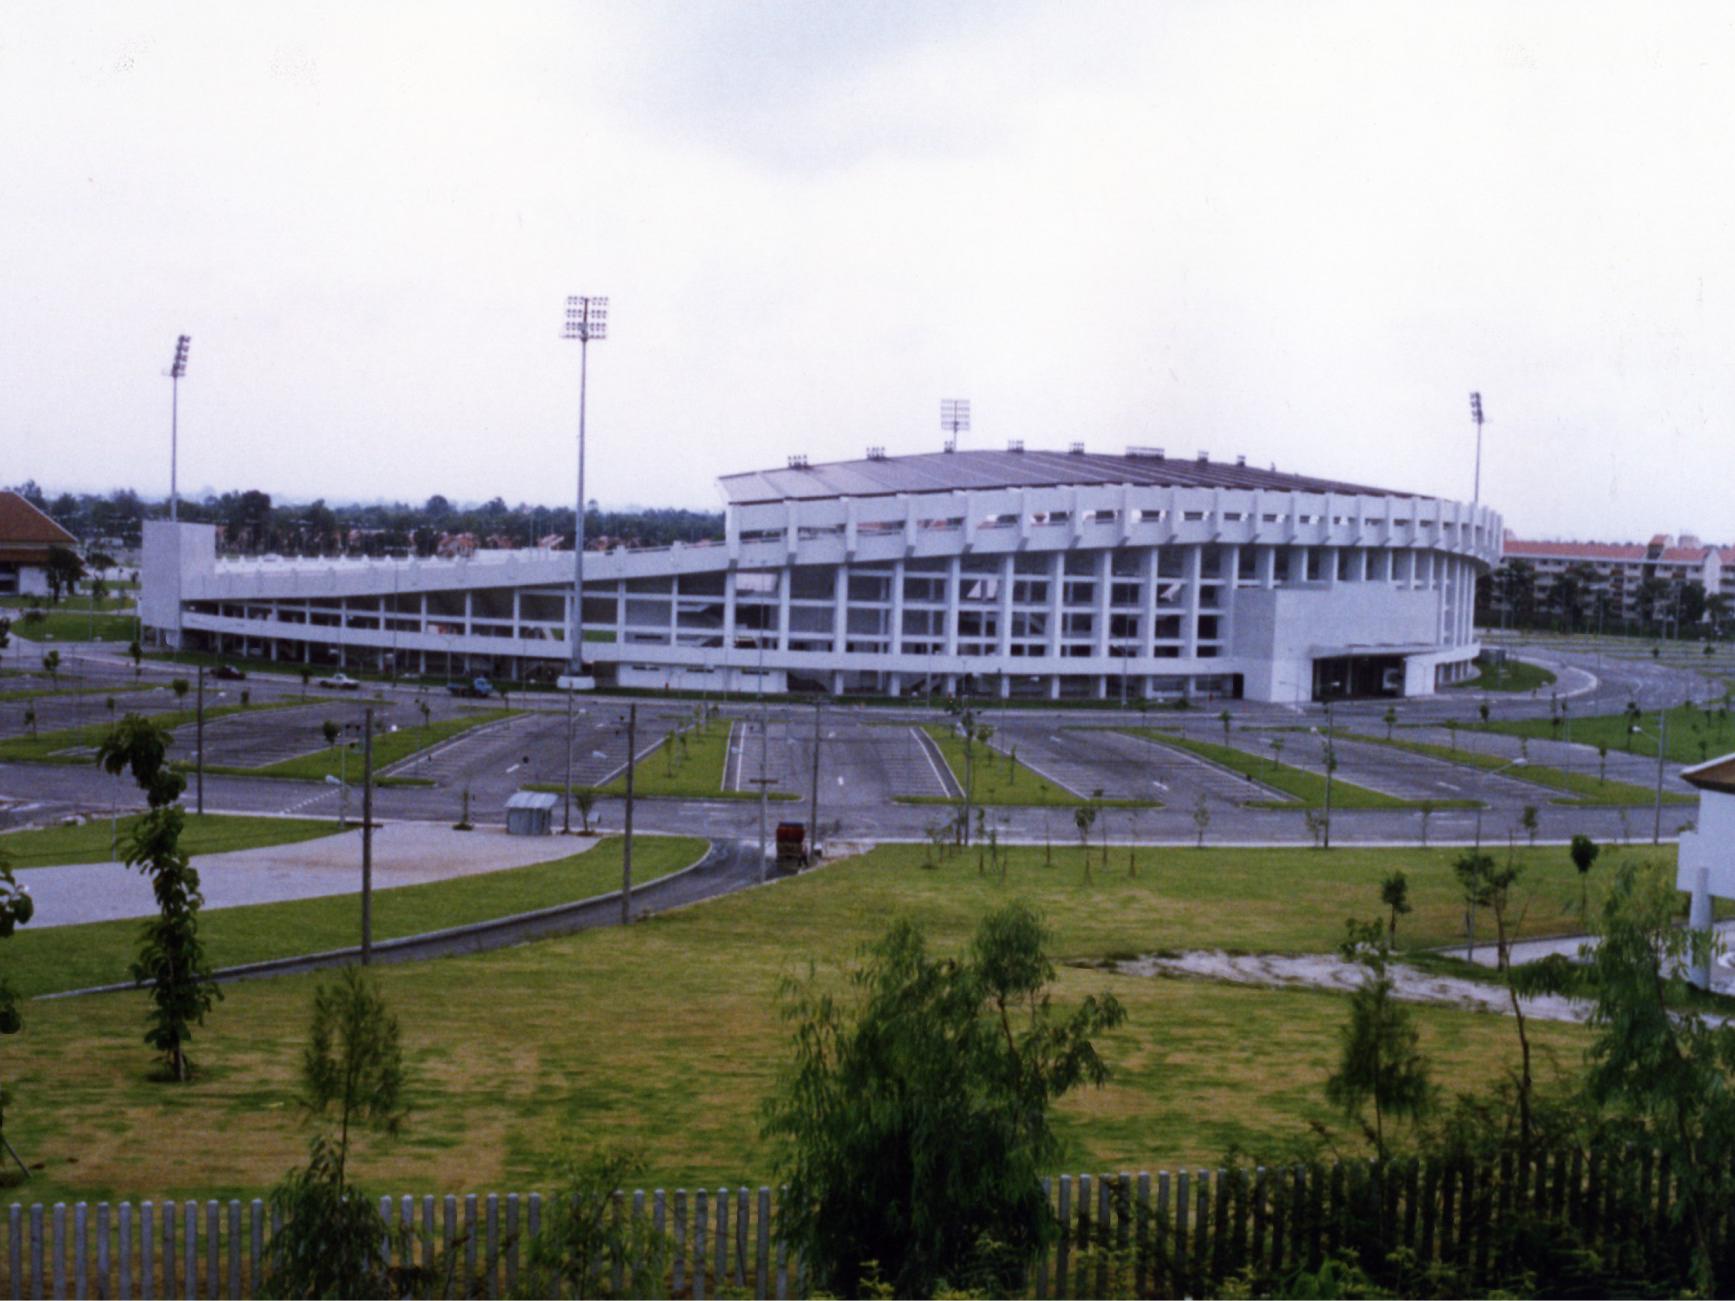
(791, 846)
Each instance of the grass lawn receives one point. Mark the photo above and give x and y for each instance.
(1587, 789)
(690, 767)
(389, 748)
(36, 693)
(1513, 675)
(1307, 787)
(212, 833)
(42, 960)
(1001, 780)
(666, 1036)
(74, 625)
(1695, 734)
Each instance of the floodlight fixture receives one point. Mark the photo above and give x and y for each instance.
(955, 417)
(586, 319)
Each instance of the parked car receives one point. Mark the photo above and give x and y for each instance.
(340, 682)
(480, 688)
(229, 673)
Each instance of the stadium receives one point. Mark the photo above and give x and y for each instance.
(1041, 575)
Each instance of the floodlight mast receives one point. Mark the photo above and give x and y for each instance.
(1476, 415)
(586, 319)
(954, 419)
(176, 371)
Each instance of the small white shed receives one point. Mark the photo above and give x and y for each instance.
(531, 813)
(1706, 865)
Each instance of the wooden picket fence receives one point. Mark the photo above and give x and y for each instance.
(1171, 1234)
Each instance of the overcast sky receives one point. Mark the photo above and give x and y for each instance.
(1299, 231)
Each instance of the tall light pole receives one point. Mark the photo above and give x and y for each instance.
(954, 419)
(1476, 415)
(176, 371)
(586, 319)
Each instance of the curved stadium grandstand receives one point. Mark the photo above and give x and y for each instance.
(1047, 575)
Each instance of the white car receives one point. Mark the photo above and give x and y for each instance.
(340, 682)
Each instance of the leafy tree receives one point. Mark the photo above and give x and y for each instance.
(51, 666)
(62, 569)
(1201, 818)
(584, 1242)
(1483, 710)
(330, 731)
(180, 686)
(306, 677)
(1395, 895)
(30, 719)
(1528, 820)
(171, 955)
(332, 1235)
(1381, 1065)
(1473, 870)
(137, 653)
(1584, 853)
(584, 799)
(16, 909)
(1083, 819)
(1601, 762)
(1390, 719)
(5, 633)
(1661, 1065)
(913, 1122)
(1225, 717)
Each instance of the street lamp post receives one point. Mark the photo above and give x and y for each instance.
(1476, 415)
(1662, 739)
(954, 419)
(586, 319)
(1482, 792)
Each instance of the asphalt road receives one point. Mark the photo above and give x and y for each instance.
(871, 757)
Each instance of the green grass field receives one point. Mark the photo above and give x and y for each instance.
(42, 960)
(210, 833)
(1513, 675)
(689, 767)
(1587, 790)
(1306, 786)
(1695, 733)
(389, 748)
(666, 1037)
(1001, 780)
(63, 624)
(37, 693)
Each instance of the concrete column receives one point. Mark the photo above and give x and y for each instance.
(1267, 572)
(897, 616)
(951, 624)
(785, 578)
(729, 610)
(1104, 579)
(840, 611)
(1004, 640)
(1056, 602)
(1190, 616)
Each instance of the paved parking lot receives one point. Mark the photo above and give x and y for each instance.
(1123, 767)
(860, 763)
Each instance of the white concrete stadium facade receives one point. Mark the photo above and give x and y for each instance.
(1280, 593)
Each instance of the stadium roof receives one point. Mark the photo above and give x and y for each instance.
(956, 471)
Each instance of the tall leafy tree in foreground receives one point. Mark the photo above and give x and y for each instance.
(1381, 1068)
(913, 1120)
(352, 1071)
(171, 956)
(1662, 1065)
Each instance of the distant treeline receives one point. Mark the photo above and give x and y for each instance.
(252, 524)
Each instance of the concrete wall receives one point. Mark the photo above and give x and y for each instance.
(1277, 633)
(176, 558)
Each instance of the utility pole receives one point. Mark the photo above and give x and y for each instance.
(176, 370)
(1662, 749)
(813, 845)
(367, 836)
(627, 838)
(764, 781)
(566, 813)
(199, 731)
(1330, 767)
